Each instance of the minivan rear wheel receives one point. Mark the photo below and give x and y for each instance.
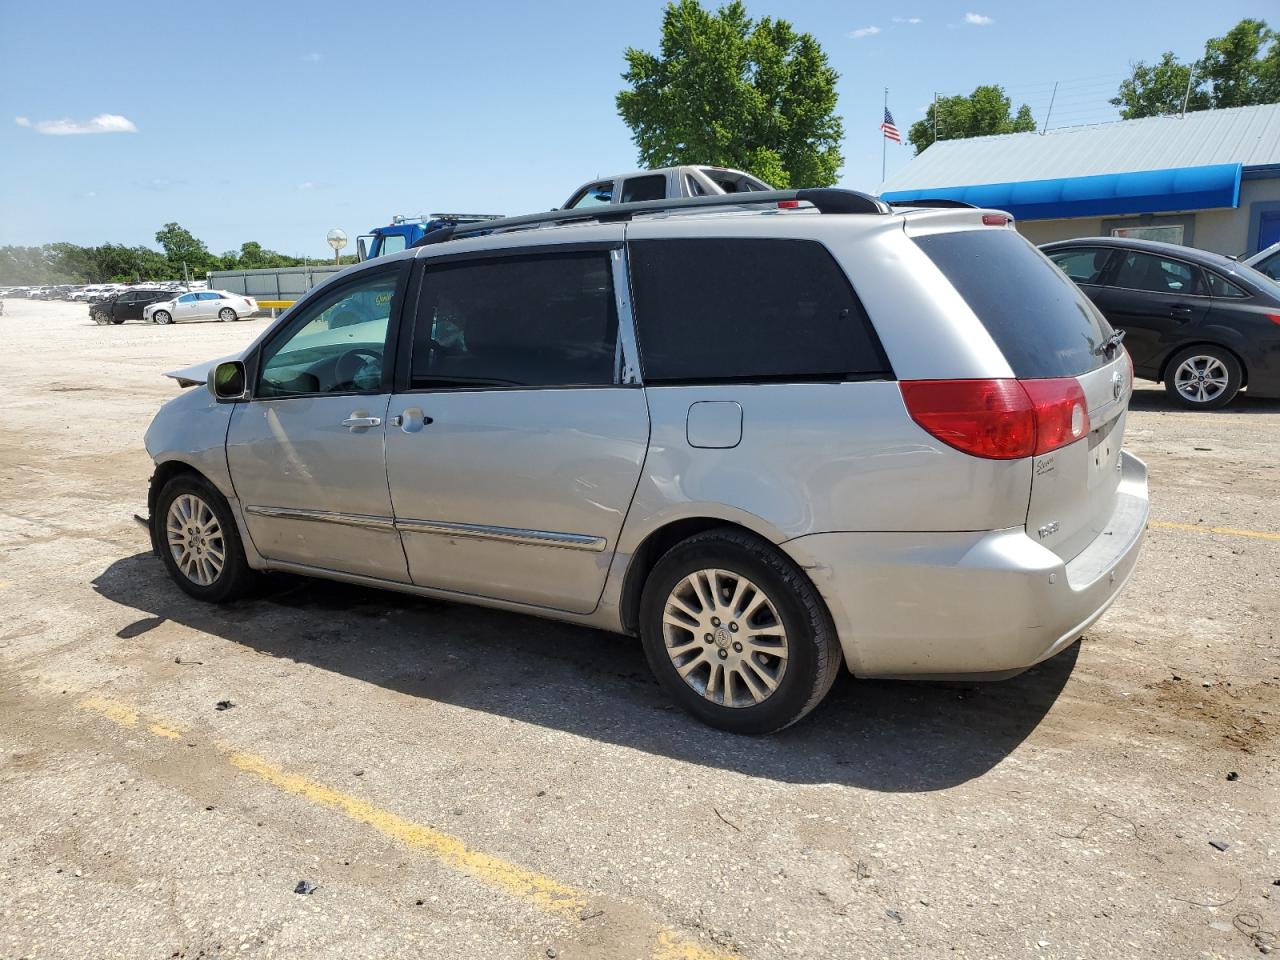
(736, 633)
(1203, 377)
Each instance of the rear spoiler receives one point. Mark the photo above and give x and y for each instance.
(939, 202)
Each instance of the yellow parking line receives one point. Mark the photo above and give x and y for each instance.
(539, 891)
(1201, 528)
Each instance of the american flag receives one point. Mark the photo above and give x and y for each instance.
(889, 129)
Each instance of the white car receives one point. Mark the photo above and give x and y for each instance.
(668, 183)
(201, 305)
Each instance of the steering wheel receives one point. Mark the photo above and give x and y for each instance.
(361, 368)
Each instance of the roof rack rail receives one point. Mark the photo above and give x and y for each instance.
(825, 199)
(941, 202)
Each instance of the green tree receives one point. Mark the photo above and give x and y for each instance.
(986, 111)
(181, 247)
(1239, 69)
(724, 89)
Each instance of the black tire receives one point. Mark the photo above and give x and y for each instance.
(101, 317)
(814, 656)
(236, 577)
(117, 320)
(227, 315)
(1210, 355)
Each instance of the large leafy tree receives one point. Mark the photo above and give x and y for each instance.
(727, 90)
(986, 111)
(1239, 69)
(181, 248)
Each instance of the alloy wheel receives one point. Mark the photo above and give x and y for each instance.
(1201, 379)
(195, 539)
(725, 638)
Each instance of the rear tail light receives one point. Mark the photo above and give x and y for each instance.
(788, 204)
(995, 220)
(1274, 317)
(999, 419)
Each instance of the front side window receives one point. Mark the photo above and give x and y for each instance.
(594, 195)
(391, 243)
(528, 321)
(748, 309)
(336, 345)
(187, 298)
(653, 187)
(1144, 271)
(1083, 265)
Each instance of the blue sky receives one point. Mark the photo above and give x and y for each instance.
(277, 121)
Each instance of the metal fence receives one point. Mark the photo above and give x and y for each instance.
(283, 284)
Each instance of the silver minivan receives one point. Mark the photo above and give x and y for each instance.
(767, 442)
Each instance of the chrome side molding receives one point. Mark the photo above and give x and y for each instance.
(481, 531)
(477, 531)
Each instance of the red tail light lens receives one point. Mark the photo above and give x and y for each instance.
(986, 418)
(788, 204)
(995, 220)
(1062, 414)
(999, 419)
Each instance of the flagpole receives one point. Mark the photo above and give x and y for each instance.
(884, 140)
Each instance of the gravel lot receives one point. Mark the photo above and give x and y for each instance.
(464, 783)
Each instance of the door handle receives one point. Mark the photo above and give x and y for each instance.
(355, 423)
(1181, 309)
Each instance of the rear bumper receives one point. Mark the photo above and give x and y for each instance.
(981, 604)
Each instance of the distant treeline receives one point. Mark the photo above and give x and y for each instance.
(117, 263)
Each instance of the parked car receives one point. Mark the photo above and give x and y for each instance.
(767, 443)
(667, 183)
(1202, 324)
(200, 305)
(125, 305)
(1267, 261)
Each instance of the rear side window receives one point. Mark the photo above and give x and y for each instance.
(1221, 287)
(720, 310)
(1042, 323)
(1143, 271)
(530, 321)
(644, 188)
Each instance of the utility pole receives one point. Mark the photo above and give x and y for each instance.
(1049, 113)
(935, 116)
(1187, 97)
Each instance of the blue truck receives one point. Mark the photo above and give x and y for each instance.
(403, 232)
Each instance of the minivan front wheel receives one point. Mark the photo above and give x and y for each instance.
(737, 634)
(198, 541)
(1203, 377)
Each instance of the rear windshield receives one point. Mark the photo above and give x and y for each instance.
(1042, 323)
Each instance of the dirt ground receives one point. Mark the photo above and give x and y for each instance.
(463, 783)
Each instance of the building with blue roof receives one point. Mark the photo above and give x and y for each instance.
(1209, 179)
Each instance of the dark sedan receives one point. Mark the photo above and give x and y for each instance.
(1201, 323)
(126, 305)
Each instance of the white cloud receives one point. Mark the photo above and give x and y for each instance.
(977, 19)
(313, 57)
(22, 121)
(912, 20)
(102, 123)
(864, 32)
(306, 186)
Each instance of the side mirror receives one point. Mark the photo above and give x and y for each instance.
(228, 382)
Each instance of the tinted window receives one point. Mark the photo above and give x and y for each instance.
(529, 321)
(1042, 323)
(715, 310)
(1270, 266)
(694, 187)
(1222, 287)
(1143, 271)
(187, 298)
(335, 345)
(210, 296)
(644, 188)
(593, 195)
(1083, 265)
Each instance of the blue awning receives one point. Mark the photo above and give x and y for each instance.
(1146, 191)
